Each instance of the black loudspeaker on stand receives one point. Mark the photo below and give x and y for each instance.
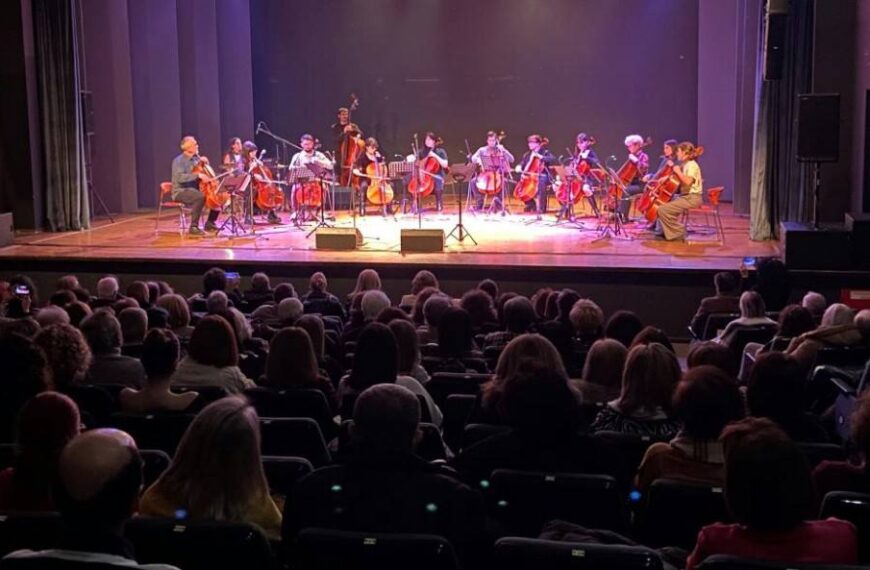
(818, 137)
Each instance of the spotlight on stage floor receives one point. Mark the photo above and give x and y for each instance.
(337, 238)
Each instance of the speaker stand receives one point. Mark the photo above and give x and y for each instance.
(817, 190)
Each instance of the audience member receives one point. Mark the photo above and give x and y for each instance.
(752, 314)
(61, 298)
(842, 475)
(212, 358)
(217, 302)
(319, 300)
(479, 306)
(770, 495)
(526, 347)
(705, 401)
(289, 311)
(138, 290)
(775, 390)
(26, 374)
(644, 404)
(539, 302)
(490, 287)
(384, 486)
(601, 380)
(543, 411)
(565, 301)
(134, 325)
(52, 315)
(840, 327)
(217, 472)
(713, 354)
(456, 343)
(389, 314)
(372, 303)
(260, 291)
(650, 334)
(376, 361)
(313, 325)
(160, 353)
(77, 311)
(108, 291)
(587, 319)
(422, 280)
(623, 326)
(816, 304)
(420, 299)
(153, 291)
(108, 366)
(519, 315)
(68, 283)
(67, 354)
(367, 280)
(157, 317)
(500, 303)
(179, 314)
(409, 350)
(772, 282)
(726, 300)
(284, 291)
(433, 310)
(292, 363)
(100, 474)
(46, 423)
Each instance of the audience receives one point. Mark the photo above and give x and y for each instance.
(772, 282)
(713, 354)
(601, 380)
(776, 390)
(519, 315)
(376, 361)
(623, 326)
(67, 354)
(424, 279)
(587, 319)
(224, 439)
(842, 475)
(212, 358)
(409, 350)
(52, 315)
(490, 287)
(650, 334)
(456, 345)
(433, 310)
(292, 364)
(160, 353)
(725, 301)
(752, 314)
(313, 325)
(77, 311)
(367, 280)
(705, 401)
(644, 404)
(26, 373)
(840, 327)
(420, 299)
(816, 304)
(134, 325)
(46, 423)
(138, 290)
(179, 314)
(100, 475)
(107, 292)
(260, 291)
(384, 486)
(479, 306)
(319, 300)
(770, 495)
(108, 366)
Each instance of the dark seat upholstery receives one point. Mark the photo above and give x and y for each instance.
(724, 562)
(34, 531)
(283, 472)
(294, 437)
(154, 463)
(320, 549)
(513, 553)
(274, 403)
(520, 502)
(457, 409)
(153, 431)
(430, 447)
(675, 511)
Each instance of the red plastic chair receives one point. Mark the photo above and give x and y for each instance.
(164, 200)
(710, 208)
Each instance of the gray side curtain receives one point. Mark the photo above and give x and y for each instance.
(59, 85)
(780, 184)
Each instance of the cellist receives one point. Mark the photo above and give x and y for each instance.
(249, 155)
(185, 185)
(307, 157)
(691, 195)
(495, 152)
(371, 155)
(432, 147)
(669, 148)
(634, 145)
(538, 147)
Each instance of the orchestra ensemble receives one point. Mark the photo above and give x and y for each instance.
(246, 185)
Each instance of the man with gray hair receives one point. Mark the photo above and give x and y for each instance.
(384, 486)
(217, 302)
(102, 331)
(816, 304)
(107, 292)
(373, 302)
(100, 476)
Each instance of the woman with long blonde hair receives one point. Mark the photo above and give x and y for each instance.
(217, 472)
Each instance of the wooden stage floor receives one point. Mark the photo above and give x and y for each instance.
(512, 242)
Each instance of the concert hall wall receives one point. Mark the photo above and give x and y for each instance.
(462, 68)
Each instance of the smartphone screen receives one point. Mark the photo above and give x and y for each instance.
(232, 275)
(749, 261)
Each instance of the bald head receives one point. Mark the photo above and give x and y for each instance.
(101, 473)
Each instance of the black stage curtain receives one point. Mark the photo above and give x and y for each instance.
(66, 193)
(780, 184)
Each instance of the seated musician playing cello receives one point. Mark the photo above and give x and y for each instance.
(185, 185)
(310, 158)
(669, 149)
(691, 195)
(634, 144)
(432, 148)
(493, 151)
(538, 148)
(371, 156)
(251, 162)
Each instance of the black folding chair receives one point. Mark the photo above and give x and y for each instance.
(675, 511)
(513, 553)
(321, 549)
(294, 437)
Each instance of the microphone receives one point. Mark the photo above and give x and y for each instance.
(262, 152)
(259, 126)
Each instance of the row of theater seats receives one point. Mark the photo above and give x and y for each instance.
(210, 545)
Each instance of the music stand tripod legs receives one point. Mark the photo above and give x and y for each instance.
(459, 229)
(321, 223)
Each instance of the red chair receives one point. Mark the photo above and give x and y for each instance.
(164, 200)
(708, 209)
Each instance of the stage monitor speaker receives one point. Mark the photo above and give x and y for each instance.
(337, 238)
(422, 241)
(7, 229)
(818, 127)
(806, 248)
(774, 38)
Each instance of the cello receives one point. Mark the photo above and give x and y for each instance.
(662, 188)
(578, 185)
(489, 182)
(380, 191)
(428, 169)
(215, 197)
(626, 173)
(527, 186)
(351, 147)
(267, 193)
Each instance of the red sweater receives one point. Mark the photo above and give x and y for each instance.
(830, 541)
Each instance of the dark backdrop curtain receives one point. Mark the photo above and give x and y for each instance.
(66, 193)
(780, 184)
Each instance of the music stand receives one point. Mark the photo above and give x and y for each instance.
(613, 227)
(237, 184)
(570, 217)
(320, 172)
(459, 173)
(299, 175)
(497, 163)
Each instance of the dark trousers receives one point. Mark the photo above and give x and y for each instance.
(625, 204)
(539, 202)
(195, 200)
